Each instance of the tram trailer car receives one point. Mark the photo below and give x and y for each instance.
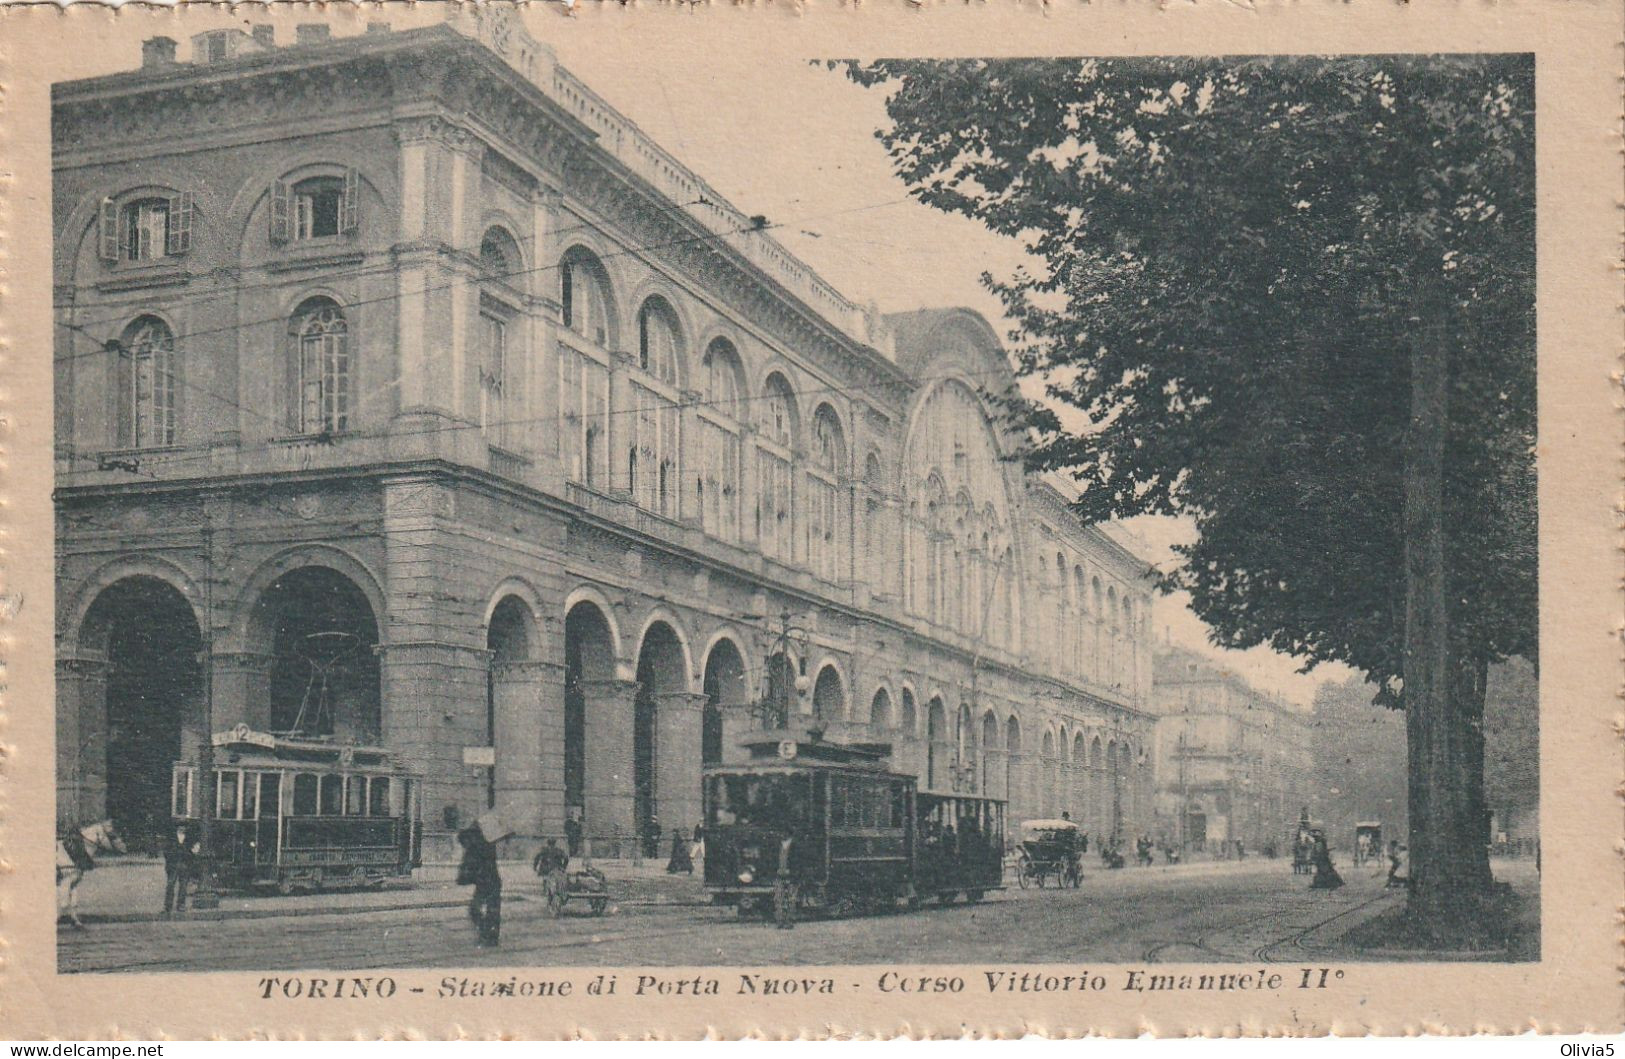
(298, 813)
(856, 836)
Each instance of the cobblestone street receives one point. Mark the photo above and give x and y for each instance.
(1198, 913)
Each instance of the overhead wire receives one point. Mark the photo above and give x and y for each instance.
(758, 224)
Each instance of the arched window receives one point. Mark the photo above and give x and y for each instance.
(829, 445)
(496, 255)
(775, 498)
(321, 338)
(499, 260)
(652, 444)
(826, 514)
(584, 297)
(584, 395)
(717, 484)
(721, 378)
(779, 420)
(657, 340)
(146, 367)
(880, 718)
(878, 532)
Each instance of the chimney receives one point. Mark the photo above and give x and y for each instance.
(311, 33)
(265, 36)
(158, 51)
(377, 27)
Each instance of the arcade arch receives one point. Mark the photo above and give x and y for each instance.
(135, 688)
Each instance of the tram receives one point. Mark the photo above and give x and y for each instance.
(848, 834)
(301, 813)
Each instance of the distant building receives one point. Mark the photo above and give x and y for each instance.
(411, 384)
(1360, 768)
(1231, 763)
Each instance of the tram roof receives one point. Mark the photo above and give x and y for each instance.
(267, 749)
(812, 749)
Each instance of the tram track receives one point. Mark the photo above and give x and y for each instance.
(1265, 952)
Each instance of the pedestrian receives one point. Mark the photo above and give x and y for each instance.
(681, 860)
(549, 858)
(697, 850)
(181, 853)
(572, 835)
(479, 869)
(1394, 879)
(1326, 877)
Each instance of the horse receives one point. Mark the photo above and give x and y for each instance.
(73, 861)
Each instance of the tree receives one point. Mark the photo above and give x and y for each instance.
(1293, 300)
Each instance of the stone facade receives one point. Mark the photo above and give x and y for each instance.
(407, 393)
(1231, 763)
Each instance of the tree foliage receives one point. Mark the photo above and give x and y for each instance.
(1229, 260)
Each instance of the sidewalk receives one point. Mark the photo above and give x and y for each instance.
(131, 889)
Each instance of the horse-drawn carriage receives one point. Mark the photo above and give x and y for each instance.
(1367, 841)
(1050, 849)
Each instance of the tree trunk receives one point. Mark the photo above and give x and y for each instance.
(1443, 684)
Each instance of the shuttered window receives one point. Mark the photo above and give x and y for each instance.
(316, 208)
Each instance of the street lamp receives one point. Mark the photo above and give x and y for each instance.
(781, 681)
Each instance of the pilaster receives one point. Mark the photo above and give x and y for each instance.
(678, 721)
(609, 825)
(242, 689)
(528, 697)
(81, 737)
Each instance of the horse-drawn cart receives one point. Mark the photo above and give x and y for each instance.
(560, 886)
(1050, 849)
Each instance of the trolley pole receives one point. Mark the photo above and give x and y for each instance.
(205, 897)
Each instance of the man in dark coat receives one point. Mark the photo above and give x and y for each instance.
(479, 869)
(181, 850)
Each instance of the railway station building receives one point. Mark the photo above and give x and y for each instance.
(407, 394)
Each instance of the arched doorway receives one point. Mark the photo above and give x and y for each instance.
(660, 675)
(1078, 780)
(1014, 789)
(1046, 790)
(725, 688)
(509, 640)
(829, 698)
(149, 636)
(1114, 772)
(906, 754)
(589, 662)
(324, 667)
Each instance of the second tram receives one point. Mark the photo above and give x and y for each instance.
(833, 826)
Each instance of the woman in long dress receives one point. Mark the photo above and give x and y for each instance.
(681, 860)
(1326, 877)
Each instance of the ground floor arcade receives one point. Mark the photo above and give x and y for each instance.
(522, 658)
